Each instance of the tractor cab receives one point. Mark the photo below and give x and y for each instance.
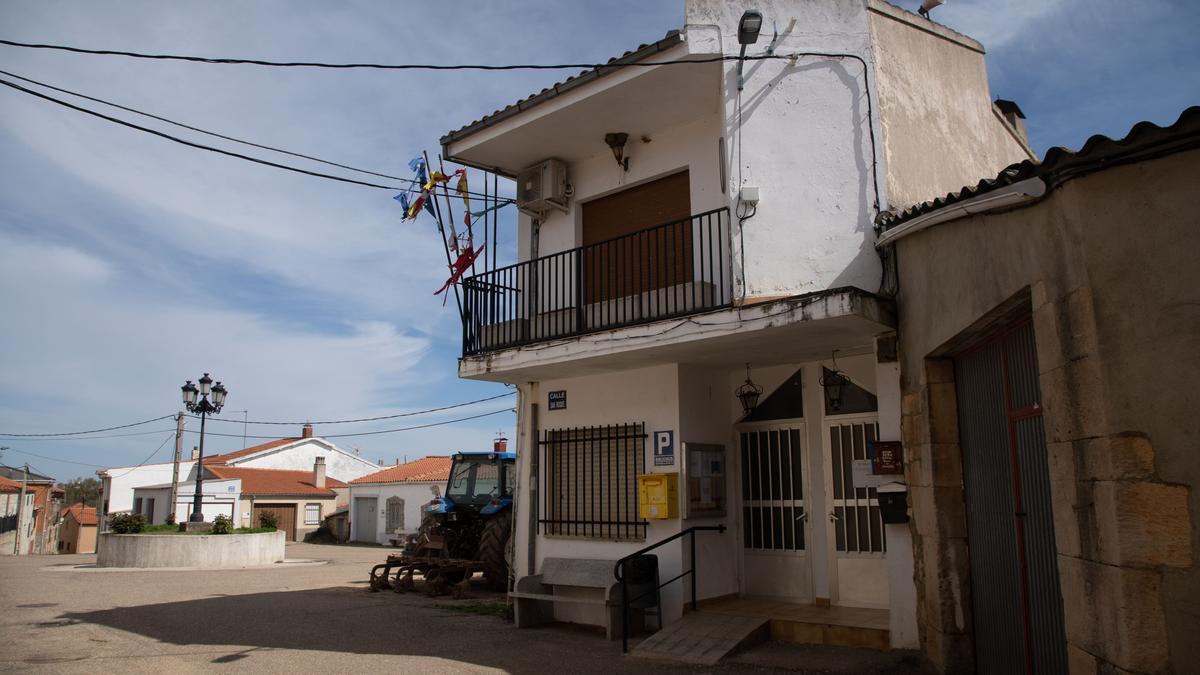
(481, 483)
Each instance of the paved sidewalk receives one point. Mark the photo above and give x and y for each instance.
(305, 619)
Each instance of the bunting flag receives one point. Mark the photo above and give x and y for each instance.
(493, 207)
(461, 189)
(465, 259)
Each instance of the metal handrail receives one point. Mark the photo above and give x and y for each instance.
(619, 575)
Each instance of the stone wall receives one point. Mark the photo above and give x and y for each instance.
(1104, 264)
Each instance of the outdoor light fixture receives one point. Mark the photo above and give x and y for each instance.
(834, 384)
(748, 393)
(923, 10)
(197, 401)
(748, 27)
(617, 143)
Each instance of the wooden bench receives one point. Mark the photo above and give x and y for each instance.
(568, 580)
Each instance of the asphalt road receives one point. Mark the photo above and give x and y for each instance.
(58, 618)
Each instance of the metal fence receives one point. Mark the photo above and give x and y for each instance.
(674, 269)
(589, 481)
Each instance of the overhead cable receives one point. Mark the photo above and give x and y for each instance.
(91, 431)
(384, 66)
(364, 419)
(231, 138)
(363, 433)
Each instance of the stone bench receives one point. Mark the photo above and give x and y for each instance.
(575, 581)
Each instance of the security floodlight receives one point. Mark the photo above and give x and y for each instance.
(749, 26)
(928, 5)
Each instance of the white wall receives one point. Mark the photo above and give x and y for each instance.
(300, 456)
(415, 495)
(220, 497)
(121, 482)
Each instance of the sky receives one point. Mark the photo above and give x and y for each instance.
(129, 264)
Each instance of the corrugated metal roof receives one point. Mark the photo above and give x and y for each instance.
(672, 39)
(1144, 141)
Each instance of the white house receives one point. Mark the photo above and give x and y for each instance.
(741, 231)
(386, 505)
(294, 454)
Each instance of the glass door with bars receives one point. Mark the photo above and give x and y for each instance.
(774, 518)
(855, 535)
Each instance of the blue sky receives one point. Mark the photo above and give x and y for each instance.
(129, 264)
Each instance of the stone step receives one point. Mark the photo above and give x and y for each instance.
(703, 638)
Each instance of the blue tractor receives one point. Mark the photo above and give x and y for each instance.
(473, 519)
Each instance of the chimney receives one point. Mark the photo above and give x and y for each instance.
(381, 462)
(195, 452)
(1012, 113)
(306, 432)
(501, 445)
(319, 472)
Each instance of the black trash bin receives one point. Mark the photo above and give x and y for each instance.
(641, 583)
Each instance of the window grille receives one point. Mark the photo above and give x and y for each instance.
(589, 481)
(857, 525)
(773, 506)
(312, 514)
(395, 514)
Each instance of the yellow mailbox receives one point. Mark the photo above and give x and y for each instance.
(658, 495)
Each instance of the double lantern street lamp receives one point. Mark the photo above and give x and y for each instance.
(197, 401)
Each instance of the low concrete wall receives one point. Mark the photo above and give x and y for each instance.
(190, 550)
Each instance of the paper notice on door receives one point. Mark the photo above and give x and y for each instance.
(863, 478)
(706, 491)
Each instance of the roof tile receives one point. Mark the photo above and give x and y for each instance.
(424, 469)
(275, 481)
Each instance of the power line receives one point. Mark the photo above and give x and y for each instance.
(156, 451)
(386, 66)
(364, 433)
(200, 146)
(214, 134)
(365, 419)
(88, 438)
(92, 431)
(55, 459)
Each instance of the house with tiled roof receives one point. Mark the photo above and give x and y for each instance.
(697, 301)
(295, 453)
(385, 506)
(77, 530)
(28, 526)
(299, 499)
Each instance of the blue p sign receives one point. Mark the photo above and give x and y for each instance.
(664, 448)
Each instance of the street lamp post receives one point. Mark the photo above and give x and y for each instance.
(197, 401)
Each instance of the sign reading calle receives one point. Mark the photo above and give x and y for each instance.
(557, 400)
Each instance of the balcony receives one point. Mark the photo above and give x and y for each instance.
(669, 270)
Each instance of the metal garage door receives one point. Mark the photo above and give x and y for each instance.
(1014, 574)
(284, 513)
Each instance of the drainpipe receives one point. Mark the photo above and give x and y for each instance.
(534, 449)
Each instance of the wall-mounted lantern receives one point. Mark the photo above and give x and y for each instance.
(834, 383)
(748, 393)
(616, 142)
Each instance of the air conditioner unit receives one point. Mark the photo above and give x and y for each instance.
(542, 187)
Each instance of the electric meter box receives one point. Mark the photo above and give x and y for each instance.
(658, 496)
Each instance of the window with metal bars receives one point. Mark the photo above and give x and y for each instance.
(589, 481)
(857, 523)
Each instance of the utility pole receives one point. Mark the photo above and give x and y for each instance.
(175, 470)
(21, 512)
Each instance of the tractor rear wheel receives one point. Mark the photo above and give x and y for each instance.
(493, 550)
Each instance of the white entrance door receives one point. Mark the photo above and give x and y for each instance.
(855, 539)
(774, 469)
(366, 519)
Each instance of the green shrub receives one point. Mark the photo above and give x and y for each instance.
(127, 523)
(268, 520)
(222, 525)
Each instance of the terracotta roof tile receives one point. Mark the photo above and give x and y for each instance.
(9, 485)
(236, 454)
(275, 481)
(424, 469)
(84, 515)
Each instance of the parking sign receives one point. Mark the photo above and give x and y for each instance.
(664, 448)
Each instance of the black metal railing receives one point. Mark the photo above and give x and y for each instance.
(619, 573)
(589, 485)
(673, 269)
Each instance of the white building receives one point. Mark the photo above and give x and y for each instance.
(741, 231)
(386, 505)
(295, 454)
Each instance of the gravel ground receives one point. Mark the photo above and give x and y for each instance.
(306, 618)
